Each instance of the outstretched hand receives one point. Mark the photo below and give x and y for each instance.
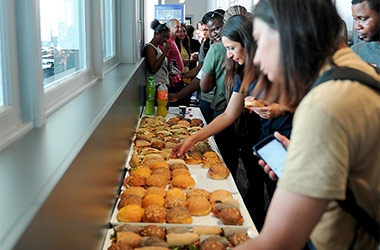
(181, 149)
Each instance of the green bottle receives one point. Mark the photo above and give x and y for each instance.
(150, 96)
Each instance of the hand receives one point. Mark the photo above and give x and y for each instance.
(172, 97)
(166, 48)
(271, 111)
(181, 149)
(285, 142)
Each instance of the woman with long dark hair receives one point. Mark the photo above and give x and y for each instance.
(334, 144)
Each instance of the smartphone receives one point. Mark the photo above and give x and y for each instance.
(272, 152)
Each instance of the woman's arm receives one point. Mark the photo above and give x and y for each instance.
(290, 220)
(150, 58)
(234, 108)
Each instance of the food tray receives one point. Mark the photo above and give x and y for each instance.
(110, 232)
(208, 220)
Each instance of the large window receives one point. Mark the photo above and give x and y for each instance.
(109, 29)
(62, 38)
(1, 80)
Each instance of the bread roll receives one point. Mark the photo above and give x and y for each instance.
(181, 239)
(251, 101)
(198, 206)
(218, 172)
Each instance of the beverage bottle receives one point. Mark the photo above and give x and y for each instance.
(162, 100)
(150, 96)
(174, 74)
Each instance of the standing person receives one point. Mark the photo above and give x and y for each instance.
(240, 48)
(155, 59)
(183, 43)
(366, 15)
(205, 98)
(175, 59)
(334, 143)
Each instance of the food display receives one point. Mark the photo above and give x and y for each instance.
(169, 203)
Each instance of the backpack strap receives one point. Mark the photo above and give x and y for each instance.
(345, 73)
(349, 205)
(363, 219)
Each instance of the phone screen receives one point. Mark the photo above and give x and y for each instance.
(273, 153)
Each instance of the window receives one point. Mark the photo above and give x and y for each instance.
(62, 39)
(109, 29)
(1, 79)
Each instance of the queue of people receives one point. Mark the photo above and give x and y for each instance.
(330, 130)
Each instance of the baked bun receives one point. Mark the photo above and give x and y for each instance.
(134, 181)
(163, 171)
(210, 244)
(153, 230)
(158, 144)
(198, 206)
(130, 213)
(129, 238)
(180, 171)
(231, 216)
(179, 215)
(251, 101)
(152, 199)
(157, 180)
(140, 191)
(141, 170)
(129, 199)
(194, 157)
(198, 192)
(238, 238)
(196, 122)
(174, 201)
(219, 195)
(177, 192)
(210, 158)
(174, 166)
(218, 172)
(156, 190)
(183, 182)
(154, 213)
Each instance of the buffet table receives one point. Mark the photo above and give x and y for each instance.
(202, 180)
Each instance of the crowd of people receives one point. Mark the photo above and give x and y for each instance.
(330, 130)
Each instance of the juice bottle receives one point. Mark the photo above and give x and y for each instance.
(150, 96)
(162, 100)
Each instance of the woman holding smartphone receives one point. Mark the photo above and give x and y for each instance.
(334, 143)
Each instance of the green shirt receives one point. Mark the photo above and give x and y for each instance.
(214, 65)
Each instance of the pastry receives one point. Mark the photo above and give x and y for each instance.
(153, 230)
(130, 213)
(152, 199)
(179, 215)
(140, 191)
(238, 238)
(218, 172)
(251, 101)
(231, 216)
(219, 195)
(129, 199)
(198, 206)
(154, 213)
(183, 182)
